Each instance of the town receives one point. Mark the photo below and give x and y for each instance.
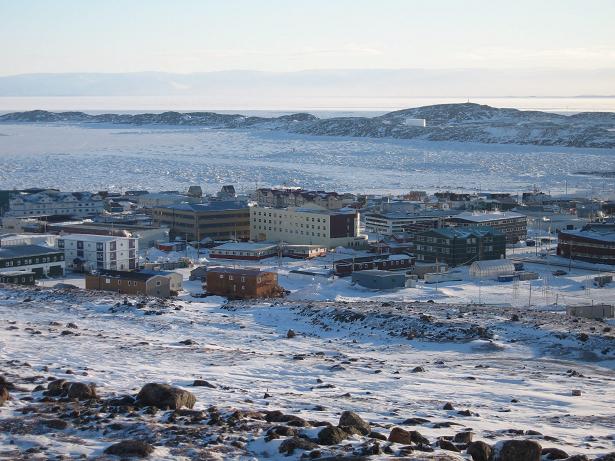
(286, 241)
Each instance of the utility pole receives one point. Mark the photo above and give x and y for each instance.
(529, 302)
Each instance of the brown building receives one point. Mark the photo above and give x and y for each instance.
(244, 283)
(130, 283)
(594, 243)
(512, 225)
(215, 220)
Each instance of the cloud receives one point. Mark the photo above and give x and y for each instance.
(602, 56)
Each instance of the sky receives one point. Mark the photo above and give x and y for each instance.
(184, 36)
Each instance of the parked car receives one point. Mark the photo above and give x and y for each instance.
(559, 273)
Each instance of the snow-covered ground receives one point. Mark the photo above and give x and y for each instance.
(78, 158)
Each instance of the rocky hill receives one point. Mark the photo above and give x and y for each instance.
(445, 122)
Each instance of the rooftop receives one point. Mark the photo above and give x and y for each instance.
(18, 251)
(210, 206)
(487, 217)
(608, 236)
(128, 275)
(245, 246)
(91, 237)
(455, 232)
(237, 271)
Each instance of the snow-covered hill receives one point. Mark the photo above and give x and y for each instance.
(445, 122)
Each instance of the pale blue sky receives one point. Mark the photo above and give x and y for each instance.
(276, 35)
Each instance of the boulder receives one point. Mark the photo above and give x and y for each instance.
(71, 389)
(288, 446)
(463, 437)
(351, 419)
(607, 457)
(130, 449)
(202, 383)
(4, 394)
(447, 445)
(291, 333)
(399, 435)
(479, 451)
(448, 406)
(516, 450)
(331, 435)
(553, 453)
(59, 424)
(165, 397)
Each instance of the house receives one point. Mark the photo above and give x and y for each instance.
(303, 251)
(456, 246)
(594, 243)
(223, 220)
(177, 246)
(18, 277)
(379, 279)
(348, 266)
(307, 226)
(512, 225)
(296, 197)
(198, 273)
(35, 258)
(85, 252)
(245, 251)
(144, 283)
(146, 235)
(54, 203)
(243, 283)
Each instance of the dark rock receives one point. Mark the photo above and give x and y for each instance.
(448, 406)
(291, 334)
(399, 435)
(447, 445)
(188, 342)
(165, 397)
(578, 458)
(59, 424)
(418, 370)
(130, 448)
(553, 453)
(351, 419)
(479, 451)
(202, 383)
(4, 394)
(81, 391)
(288, 446)
(331, 435)
(377, 435)
(517, 450)
(414, 421)
(463, 437)
(607, 457)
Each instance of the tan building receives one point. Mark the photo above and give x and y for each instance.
(242, 283)
(296, 197)
(216, 220)
(306, 226)
(130, 283)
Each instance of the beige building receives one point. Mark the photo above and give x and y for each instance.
(305, 226)
(297, 197)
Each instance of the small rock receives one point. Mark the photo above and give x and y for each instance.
(553, 453)
(164, 396)
(576, 392)
(479, 451)
(130, 448)
(351, 419)
(291, 333)
(331, 435)
(59, 424)
(463, 437)
(202, 383)
(288, 446)
(418, 370)
(517, 450)
(448, 406)
(399, 435)
(447, 445)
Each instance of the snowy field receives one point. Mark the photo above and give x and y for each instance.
(119, 158)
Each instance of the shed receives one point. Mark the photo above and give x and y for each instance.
(380, 279)
(492, 268)
(595, 311)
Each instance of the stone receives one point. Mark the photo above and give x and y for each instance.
(576, 392)
(331, 435)
(516, 450)
(607, 457)
(399, 435)
(291, 333)
(479, 451)
(202, 383)
(165, 397)
(553, 453)
(463, 437)
(447, 445)
(130, 448)
(351, 419)
(377, 435)
(448, 406)
(59, 424)
(418, 370)
(4, 394)
(81, 391)
(288, 446)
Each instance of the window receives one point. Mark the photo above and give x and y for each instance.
(158, 283)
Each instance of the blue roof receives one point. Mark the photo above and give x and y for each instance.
(18, 251)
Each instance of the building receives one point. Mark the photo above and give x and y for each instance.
(296, 197)
(39, 259)
(303, 251)
(512, 225)
(379, 280)
(593, 243)
(18, 277)
(348, 266)
(147, 236)
(460, 246)
(54, 203)
(245, 251)
(85, 252)
(158, 199)
(223, 220)
(491, 269)
(130, 283)
(242, 283)
(306, 226)
(593, 311)
(27, 239)
(397, 223)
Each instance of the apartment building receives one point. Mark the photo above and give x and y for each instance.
(54, 203)
(306, 226)
(512, 225)
(223, 220)
(85, 252)
(397, 223)
(594, 243)
(40, 260)
(456, 247)
(296, 197)
(130, 283)
(242, 283)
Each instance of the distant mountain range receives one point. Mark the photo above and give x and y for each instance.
(445, 122)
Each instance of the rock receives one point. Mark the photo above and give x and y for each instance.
(479, 451)
(331, 435)
(288, 446)
(607, 457)
(415, 421)
(553, 453)
(399, 435)
(291, 333)
(130, 448)
(463, 437)
(578, 458)
(72, 325)
(292, 420)
(516, 450)
(81, 391)
(4, 394)
(418, 370)
(164, 397)
(188, 342)
(576, 392)
(59, 424)
(202, 383)
(448, 406)
(377, 435)
(447, 445)
(351, 419)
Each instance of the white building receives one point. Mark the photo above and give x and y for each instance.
(55, 203)
(90, 252)
(28, 239)
(306, 226)
(397, 223)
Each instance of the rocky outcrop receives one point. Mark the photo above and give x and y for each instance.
(71, 390)
(165, 397)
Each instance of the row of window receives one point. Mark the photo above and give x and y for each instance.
(29, 261)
